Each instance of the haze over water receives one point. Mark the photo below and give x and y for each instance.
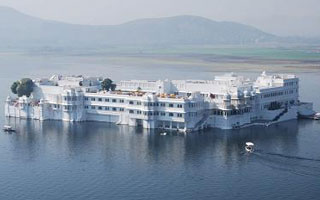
(58, 160)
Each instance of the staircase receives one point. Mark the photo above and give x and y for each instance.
(202, 121)
(280, 114)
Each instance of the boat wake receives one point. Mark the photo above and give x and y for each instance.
(288, 156)
(301, 166)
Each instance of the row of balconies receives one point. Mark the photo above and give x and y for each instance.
(179, 117)
(139, 107)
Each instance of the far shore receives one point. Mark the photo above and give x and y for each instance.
(208, 62)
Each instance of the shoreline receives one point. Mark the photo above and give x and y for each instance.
(210, 63)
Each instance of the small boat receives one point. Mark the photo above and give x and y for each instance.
(164, 133)
(249, 147)
(8, 128)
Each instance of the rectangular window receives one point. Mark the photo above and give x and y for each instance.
(167, 124)
(121, 109)
(171, 105)
(93, 107)
(162, 104)
(181, 125)
(170, 114)
(114, 109)
(131, 102)
(163, 114)
(86, 107)
(100, 99)
(114, 100)
(138, 103)
(121, 101)
(174, 125)
(93, 99)
(106, 100)
(100, 108)
(86, 98)
(131, 111)
(106, 108)
(179, 115)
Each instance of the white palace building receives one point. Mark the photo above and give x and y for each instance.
(226, 102)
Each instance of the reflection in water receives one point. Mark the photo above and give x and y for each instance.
(103, 160)
(74, 139)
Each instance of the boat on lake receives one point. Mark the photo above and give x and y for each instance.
(249, 147)
(8, 128)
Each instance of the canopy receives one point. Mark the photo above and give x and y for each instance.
(249, 144)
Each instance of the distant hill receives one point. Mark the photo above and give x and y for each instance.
(18, 30)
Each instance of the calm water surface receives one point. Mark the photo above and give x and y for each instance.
(57, 160)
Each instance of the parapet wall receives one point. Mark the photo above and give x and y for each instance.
(26, 111)
(42, 112)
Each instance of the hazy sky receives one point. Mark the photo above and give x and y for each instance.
(282, 17)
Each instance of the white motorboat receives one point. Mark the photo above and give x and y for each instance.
(164, 133)
(249, 147)
(8, 128)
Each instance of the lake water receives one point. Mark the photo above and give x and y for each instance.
(58, 160)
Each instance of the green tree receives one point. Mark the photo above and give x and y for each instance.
(25, 87)
(107, 84)
(113, 87)
(14, 87)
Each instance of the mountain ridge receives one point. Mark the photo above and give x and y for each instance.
(23, 31)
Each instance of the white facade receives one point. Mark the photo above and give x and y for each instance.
(226, 102)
